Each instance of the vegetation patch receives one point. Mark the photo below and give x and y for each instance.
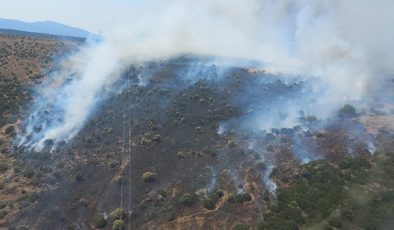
(239, 198)
(187, 199)
(100, 222)
(118, 225)
(118, 214)
(212, 199)
(149, 177)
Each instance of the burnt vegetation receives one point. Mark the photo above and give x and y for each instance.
(153, 155)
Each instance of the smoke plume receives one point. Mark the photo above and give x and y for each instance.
(345, 45)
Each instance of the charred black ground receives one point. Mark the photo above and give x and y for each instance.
(156, 151)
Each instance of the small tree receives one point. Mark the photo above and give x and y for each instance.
(186, 199)
(209, 203)
(118, 214)
(149, 177)
(118, 225)
(240, 198)
(347, 111)
(100, 222)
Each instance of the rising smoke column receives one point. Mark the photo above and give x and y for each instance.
(346, 44)
(65, 101)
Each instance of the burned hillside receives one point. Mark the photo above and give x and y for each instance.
(176, 146)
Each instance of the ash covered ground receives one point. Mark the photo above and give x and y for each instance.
(177, 146)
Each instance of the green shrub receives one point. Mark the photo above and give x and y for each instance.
(118, 225)
(18, 169)
(219, 192)
(212, 199)
(241, 227)
(230, 199)
(3, 167)
(276, 222)
(89, 139)
(149, 177)
(22, 227)
(32, 197)
(209, 203)
(118, 214)
(347, 111)
(171, 216)
(3, 213)
(356, 163)
(317, 191)
(242, 197)
(83, 202)
(186, 199)
(100, 222)
(29, 173)
(260, 225)
(162, 193)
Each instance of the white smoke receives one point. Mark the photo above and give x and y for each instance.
(269, 184)
(67, 99)
(347, 44)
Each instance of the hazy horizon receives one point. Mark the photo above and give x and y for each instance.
(90, 15)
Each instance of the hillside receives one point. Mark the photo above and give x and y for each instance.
(169, 152)
(44, 27)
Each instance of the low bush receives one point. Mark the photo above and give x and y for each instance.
(212, 199)
(28, 172)
(149, 177)
(269, 148)
(22, 227)
(310, 118)
(118, 225)
(209, 203)
(187, 199)
(118, 214)
(240, 198)
(32, 197)
(10, 130)
(3, 213)
(241, 227)
(261, 166)
(3, 167)
(347, 111)
(100, 222)
(355, 163)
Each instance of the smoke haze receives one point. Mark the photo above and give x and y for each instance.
(344, 46)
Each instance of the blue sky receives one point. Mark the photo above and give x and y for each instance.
(88, 14)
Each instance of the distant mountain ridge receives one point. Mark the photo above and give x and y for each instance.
(45, 27)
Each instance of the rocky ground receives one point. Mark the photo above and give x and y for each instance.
(155, 157)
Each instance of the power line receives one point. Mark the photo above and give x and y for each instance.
(129, 151)
(122, 156)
